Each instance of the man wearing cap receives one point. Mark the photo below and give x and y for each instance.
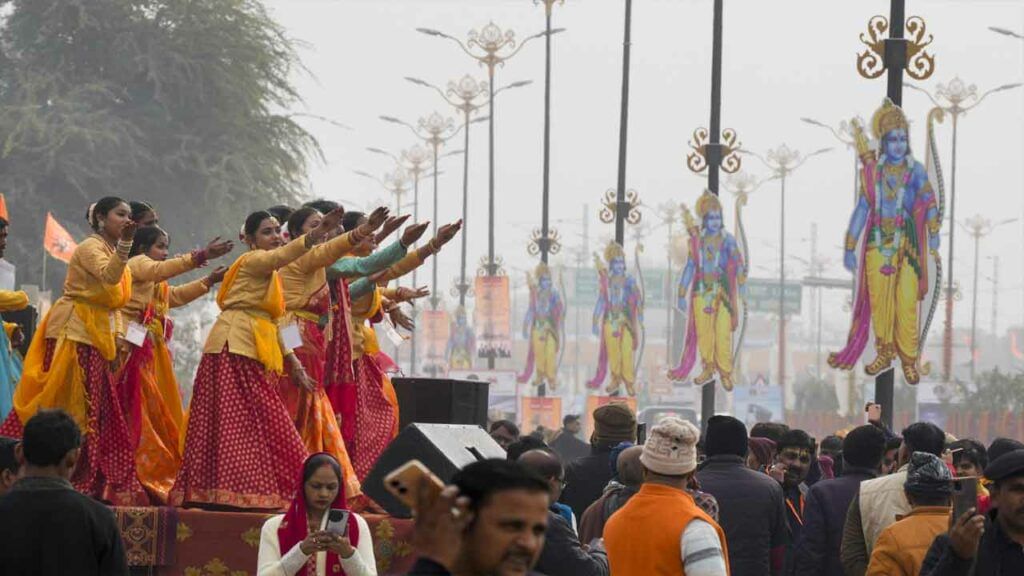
(661, 531)
(986, 545)
(901, 547)
(588, 476)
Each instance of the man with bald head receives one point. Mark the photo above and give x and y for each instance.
(629, 477)
(563, 554)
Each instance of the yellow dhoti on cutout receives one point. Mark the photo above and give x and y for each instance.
(545, 354)
(893, 305)
(620, 354)
(714, 334)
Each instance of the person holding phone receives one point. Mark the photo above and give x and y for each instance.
(318, 535)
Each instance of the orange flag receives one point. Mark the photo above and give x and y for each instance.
(3, 208)
(57, 241)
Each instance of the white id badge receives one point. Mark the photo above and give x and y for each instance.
(136, 334)
(291, 337)
(392, 334)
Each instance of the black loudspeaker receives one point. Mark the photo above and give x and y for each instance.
(27, 318)
(437, 401)
(442, 448)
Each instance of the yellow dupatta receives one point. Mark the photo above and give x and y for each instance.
(268, 347)
(97, 310)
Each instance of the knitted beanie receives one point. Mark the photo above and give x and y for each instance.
(671, 448)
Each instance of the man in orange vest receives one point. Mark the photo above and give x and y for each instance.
(661, 531)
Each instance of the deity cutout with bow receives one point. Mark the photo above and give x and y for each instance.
(892, 246)
(713, 279)
(618, 322)
(543, 328)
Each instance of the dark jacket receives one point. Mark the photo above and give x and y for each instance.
(570, 447)
(591, 524)
(817, 552)
(751, 512)
(46, 527)
(563, 555)
(427, 567)
(586, 478)
(997, 555)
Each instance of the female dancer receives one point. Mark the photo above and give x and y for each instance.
(147, 386)
(69, 362)
(374, 408)
(144, 214)
(308, 305)
(241, 447)
(296, 543)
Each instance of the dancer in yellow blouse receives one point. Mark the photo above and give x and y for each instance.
(69, 364)
(241, 446)
(148, 388)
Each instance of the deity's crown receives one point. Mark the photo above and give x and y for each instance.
(888, 118)
(612, 251)
(542, 269)
(707, 203)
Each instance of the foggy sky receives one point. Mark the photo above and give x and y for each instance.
(783, 60)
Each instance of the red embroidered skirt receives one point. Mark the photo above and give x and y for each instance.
(241, 447)
(375, 416)
(106, 463)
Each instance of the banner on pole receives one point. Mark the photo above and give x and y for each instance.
(537, 412)
(57, 241)
(434, 336)
(492, 317)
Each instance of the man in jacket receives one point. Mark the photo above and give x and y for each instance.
(566, 444)
(986, 546)
(902, 546)
(751, 508)
(563, 555)
(817, 552)
(878, 502)
(46, 527)
(587, 477)
(631, 476)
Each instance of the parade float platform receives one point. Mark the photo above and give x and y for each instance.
(192, 542)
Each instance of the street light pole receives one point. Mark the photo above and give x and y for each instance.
(783, 161)
(713, 150)
(544, 244)
(892, 56)
(497, 46)
(978, 227)
(620, 190)
(462, 95)
(1017, 36)
(956, 94)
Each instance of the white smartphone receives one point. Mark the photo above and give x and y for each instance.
(337, 522)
